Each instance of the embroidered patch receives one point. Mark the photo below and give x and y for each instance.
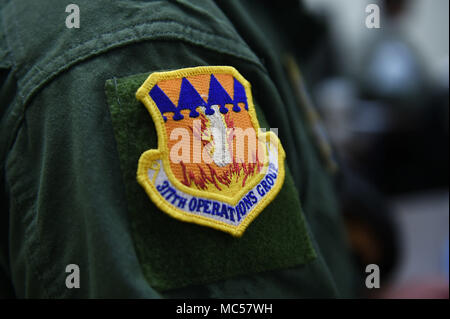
(214, 166)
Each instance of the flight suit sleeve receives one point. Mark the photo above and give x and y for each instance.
(66, 185)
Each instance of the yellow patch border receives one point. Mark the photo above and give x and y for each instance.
(148, 157)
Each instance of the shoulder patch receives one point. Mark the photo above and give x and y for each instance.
(214, 166)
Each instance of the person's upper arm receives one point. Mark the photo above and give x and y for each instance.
(67, 187)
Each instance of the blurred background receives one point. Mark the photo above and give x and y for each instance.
(383, 96)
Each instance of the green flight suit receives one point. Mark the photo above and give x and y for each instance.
(71, 132)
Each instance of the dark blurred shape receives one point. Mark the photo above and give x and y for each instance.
(395, 7)
(389, 122)
(370, 224)
(411, 153)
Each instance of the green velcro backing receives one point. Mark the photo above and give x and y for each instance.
(175, 254)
